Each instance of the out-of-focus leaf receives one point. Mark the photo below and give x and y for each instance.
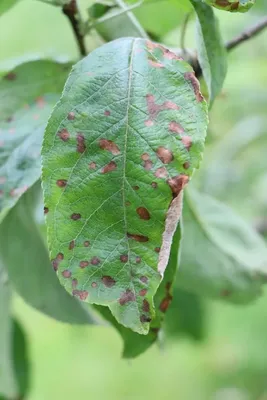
(7, 382)
(185, 316)
(221, 255)
(212, 55)
(30, 272)
(20, 359)
(5, 5)
(119, 147)
(231, 5)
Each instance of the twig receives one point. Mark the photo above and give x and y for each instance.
(72, 13)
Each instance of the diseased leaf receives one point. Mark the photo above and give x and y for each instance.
(221, 255)
(212, 55)
(24, 253)
(20, 359)
(5, 5)
(232, 5)
(119, 147)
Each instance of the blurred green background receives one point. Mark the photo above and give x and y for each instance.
(231, 362)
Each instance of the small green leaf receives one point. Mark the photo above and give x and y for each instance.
(221, 255)
(5, 5)
(24, 253)
(20, 359)
(119, 147)
(212, 55)
(232, 5)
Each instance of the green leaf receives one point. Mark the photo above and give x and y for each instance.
(212, 55)
(221, 255)
(24, 253)
(232, 5)
(119, 147)
(5, 5)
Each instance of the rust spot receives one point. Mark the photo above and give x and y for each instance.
(109, 167)
(135, 187)
(126, 297)
(46, 210)
(138, 260)
(154, 185)
(144, 279)
(186, 165)
(161, 172)
(109, 146)
(107, 113)
(127, 203)
(143, 213)
(145, 156)
(148, 164)
(64, 135)
(144, 318)
(138, 238)
(61, 183)
(155, 64)
(57, 260)
(190, 76)
(95, 261)
(225, 293)
(164, 155)
(146, 306)
(71, 116)
(94, 284)
(170, 55)
(80, 143)
(177, 183)
(124, 258)
(157, 249)
(165, 303)
(149, 123)
(82, 294)
(108, 281)
(92, 165)
(154, 109)
(86, 243)
(187, 142)
(66, 273)
(84, 264)
(75, 216)
(11, 76)
(142, 292)
(175, 127)
(74, 283)
(71, 245)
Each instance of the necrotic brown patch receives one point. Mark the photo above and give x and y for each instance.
(95, 261)
(186, 165)
(94, 284)
(82, 294)
(56, 261)
(175, 127)
(143, 213)
(84, 264)
(11, 76)
(109, 167)
(154, 109)
(138, 260)
(66, 273)
(75, 216)
(64, 135)
(71, 116)
(164, 305)
(145, 307)
(187, 142)
(144, 279)
(190, 76)
(154, 185)
(142, 292)
(124, 258)
(107, 113)
(80, 143)
(149, 123)
(86, 243)
(155, 64)
(135, 187)
(138, 238)
(164, 155)
(126, 297)
(109, 146)
(161, 172)
(157, 249)
(177, 183)
(148, 164)
(71, 245)
(145, 156)
(108, 281)
(46, 210)
(92, 165)
(61, 183)
(74, 283)
(144, 318)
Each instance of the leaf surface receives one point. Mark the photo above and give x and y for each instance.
(119, 147)
(5, 5)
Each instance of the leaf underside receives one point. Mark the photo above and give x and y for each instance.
(119, 147)
(232, 5)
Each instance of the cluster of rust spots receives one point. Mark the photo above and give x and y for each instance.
(109, 167)
(83, 264)
(164, 155)
(110, 146)
(94, 284)
(71, 245)
(124, 258)
(82, 294)
(175, 127)
(95, 261)
(154, 109)
(143, 213)
(177, 183)
(80, 143)
(75, 216)
(108, 281)
(138, 238)
(56, 261)
(107, 113)
(126, 297)
(86, 243)
(138, 260)
(61, 183)
(92, 165)
(161, 172)
(66, 273)
(144, 318)
(64, 135)
(71, 116)
(142, 292)
(144, 279)
(226, 4)
(164, 305)
(190, 76)
(11, 76)
(46, 210)
(146, 306)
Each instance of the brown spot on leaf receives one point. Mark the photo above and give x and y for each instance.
(135, 187)
(75, 216)
(108, 281)
(157, 249)
(145, 156)
(74, 283)
(84, 264)
(138, 260)
(187, 142)
(142, 292)
(176, 127)
(64, 135)
(164, 155)
(124, 258)
(149, 123)
(46, 210)
(86, 243)
(11, 76)
(61, 183)
(161, 172)
(146, 306)
(144, 318)
(127, 203)
(164, 305)
(109, 146)
(80, 143)
(143, 213)
(170, 55)
(66, 273)
(107, 113)
(225, 293)
(71, 116)
(94, 284)
(186, 165)
(154, 185)
(109, 167)
(154, 109)
(148, 164)
(144, 279)
(95, 261)
(138, 238)
(190, 76)
(155, 64)
(82, 294)
(126, 297)
(57, 260)
(177, 183)
(71, 245)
